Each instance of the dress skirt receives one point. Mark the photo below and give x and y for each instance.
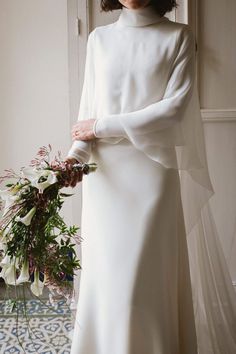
(135, 291)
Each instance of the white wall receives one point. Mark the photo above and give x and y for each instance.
(221, 151)
(34, 92)
(217, 88)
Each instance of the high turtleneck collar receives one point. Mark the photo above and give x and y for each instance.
(139, 17)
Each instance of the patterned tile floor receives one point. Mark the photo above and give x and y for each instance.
(48, 330)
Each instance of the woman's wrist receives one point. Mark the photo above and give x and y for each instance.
(108, 127)
(80, 150)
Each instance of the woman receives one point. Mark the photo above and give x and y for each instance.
(139, 122)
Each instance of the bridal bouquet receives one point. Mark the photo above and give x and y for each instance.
(36, 245)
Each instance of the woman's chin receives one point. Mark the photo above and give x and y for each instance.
(134, 4)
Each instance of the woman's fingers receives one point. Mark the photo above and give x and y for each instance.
(74, 176)
(71, 161)
(83, 130)
(83, 136)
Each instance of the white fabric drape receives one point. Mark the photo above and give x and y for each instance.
(170, 132)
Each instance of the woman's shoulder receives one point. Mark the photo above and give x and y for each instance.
(101, 30)
(180, 32)
(168, 27)
(178, 27)
(100, 33)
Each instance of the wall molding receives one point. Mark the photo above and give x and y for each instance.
(218, 115)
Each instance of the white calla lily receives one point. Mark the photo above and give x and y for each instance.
(8, 272)
(6, 193)
(6, 261)
(51, 179)
(24, 274)
(27, 218)
(35, 175)
(37, 285)
(10, 275)
(9, 198)
(3, 246)
(5, 233)
(30, 173)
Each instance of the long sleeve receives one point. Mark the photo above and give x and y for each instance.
(81, 150)
(161, 114)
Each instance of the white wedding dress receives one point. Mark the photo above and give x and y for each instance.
(153, 279)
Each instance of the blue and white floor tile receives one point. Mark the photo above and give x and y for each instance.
(48, 332)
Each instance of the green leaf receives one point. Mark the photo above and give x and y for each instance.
(65, 195)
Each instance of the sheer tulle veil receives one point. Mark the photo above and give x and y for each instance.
(213, 292)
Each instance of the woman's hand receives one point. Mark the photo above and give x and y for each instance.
(83, 130)
(74, 176)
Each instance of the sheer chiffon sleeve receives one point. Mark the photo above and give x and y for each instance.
(81, 150)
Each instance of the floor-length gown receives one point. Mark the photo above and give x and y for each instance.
(135, 292)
